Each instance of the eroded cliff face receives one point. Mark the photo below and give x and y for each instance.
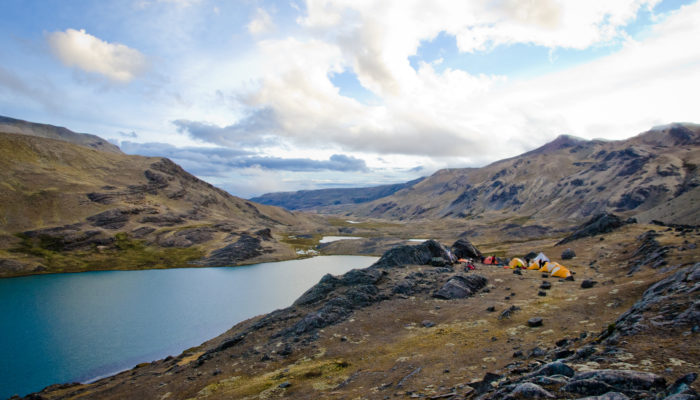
(412, 325)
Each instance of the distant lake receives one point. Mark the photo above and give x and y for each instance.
(76, 327)
(329, 239)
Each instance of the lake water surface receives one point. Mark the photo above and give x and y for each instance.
(76, 327)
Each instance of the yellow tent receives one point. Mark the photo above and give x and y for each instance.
(516, 263)
(561, 271)
(548, 267)
(534, 265)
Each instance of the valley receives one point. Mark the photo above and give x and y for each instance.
(416, 324)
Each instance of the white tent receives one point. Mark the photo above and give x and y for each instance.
(542, 257)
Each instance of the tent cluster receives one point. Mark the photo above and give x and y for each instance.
(541, 263)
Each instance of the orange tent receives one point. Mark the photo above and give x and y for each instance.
(490, 260)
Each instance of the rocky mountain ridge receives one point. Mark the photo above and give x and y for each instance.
(69, 207)
(650, 176)
(12, 125)
(318, 199)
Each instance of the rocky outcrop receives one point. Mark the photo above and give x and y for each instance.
(421, 254)
(463, 248)
(558, 380)
(245, 248)
(649, 252)
(668, 304)
(601, 223)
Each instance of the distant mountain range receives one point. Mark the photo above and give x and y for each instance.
(74, 202)
(318, 199)
(653, 175)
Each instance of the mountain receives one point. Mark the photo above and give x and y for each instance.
(650, 176)
(11, 125)
(68, 207)
(314, 199)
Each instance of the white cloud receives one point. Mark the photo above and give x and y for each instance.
(261, 23)
(81, 50)
(451, 113)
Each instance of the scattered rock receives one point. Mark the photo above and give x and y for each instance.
(428, 324)
(546, 285)
(542, 293)
(588, 283)
(568, 254)
(508, 312)
(459, 287)
(284, 385)
(484, 385)
(491, 309)
(534, 322)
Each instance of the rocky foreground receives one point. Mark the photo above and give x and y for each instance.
(413, 326)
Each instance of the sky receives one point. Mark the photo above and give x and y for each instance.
(264, 96)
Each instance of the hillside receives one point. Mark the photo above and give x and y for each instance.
(317, 199)
(12, 125)
(650, 176)
(66, 207)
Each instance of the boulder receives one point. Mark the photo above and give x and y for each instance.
(554, 368)
(568, 254)
(459, 287)
(588, 283)
(534, 322)
(529, 390)
(463, 248)
(421, 254)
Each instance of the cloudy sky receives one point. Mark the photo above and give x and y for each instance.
(260, 96)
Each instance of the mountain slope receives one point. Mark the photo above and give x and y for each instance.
(314, 199)
(650, 175)
(11, 125)
(65, 207)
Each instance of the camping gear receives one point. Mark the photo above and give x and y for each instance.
(542, 257)
(561, 271)
(491, 260)
(534, 265)
(516, 263)
(548, 267)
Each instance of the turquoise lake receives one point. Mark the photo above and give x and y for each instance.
(77, 327)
